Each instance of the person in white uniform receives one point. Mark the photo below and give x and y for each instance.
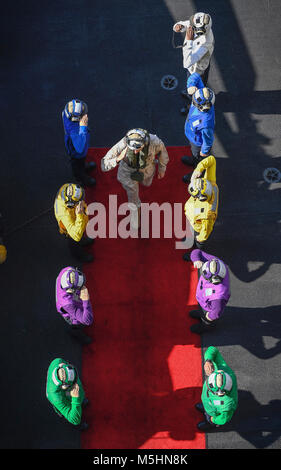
(197, 48)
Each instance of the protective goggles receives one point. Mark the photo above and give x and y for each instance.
(73, 279)
(214, 271)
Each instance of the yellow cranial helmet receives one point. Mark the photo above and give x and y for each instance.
(200, 188)
(72, 194)
(3, 253)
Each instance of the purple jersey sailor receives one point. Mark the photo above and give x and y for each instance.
(68, 301)
(212, 297)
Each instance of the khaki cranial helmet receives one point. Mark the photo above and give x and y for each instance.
(137, 138)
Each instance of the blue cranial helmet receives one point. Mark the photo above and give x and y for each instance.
(75, 109)
(203, 99)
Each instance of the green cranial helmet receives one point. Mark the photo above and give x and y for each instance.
(70, 375)
(219, 383)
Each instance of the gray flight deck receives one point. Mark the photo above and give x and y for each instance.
(113, 54)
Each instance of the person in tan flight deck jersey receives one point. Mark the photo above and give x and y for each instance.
(136, 155)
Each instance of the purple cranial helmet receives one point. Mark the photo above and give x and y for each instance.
(72, 279)
(214, 271)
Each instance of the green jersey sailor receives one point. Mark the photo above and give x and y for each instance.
(65, 392)
(219, 394)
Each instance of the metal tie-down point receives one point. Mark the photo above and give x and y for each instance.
(271, 175)
(169, 82)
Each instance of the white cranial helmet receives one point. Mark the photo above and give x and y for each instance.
(200, 22)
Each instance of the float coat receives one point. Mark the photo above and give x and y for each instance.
(197, 52)
(76, 138)
(70, 407)
(220, 408)
(211, 297)
(70, 223)
(199, 126)
(72, 308)
(203, 214)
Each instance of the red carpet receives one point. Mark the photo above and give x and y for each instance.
(143, 371)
